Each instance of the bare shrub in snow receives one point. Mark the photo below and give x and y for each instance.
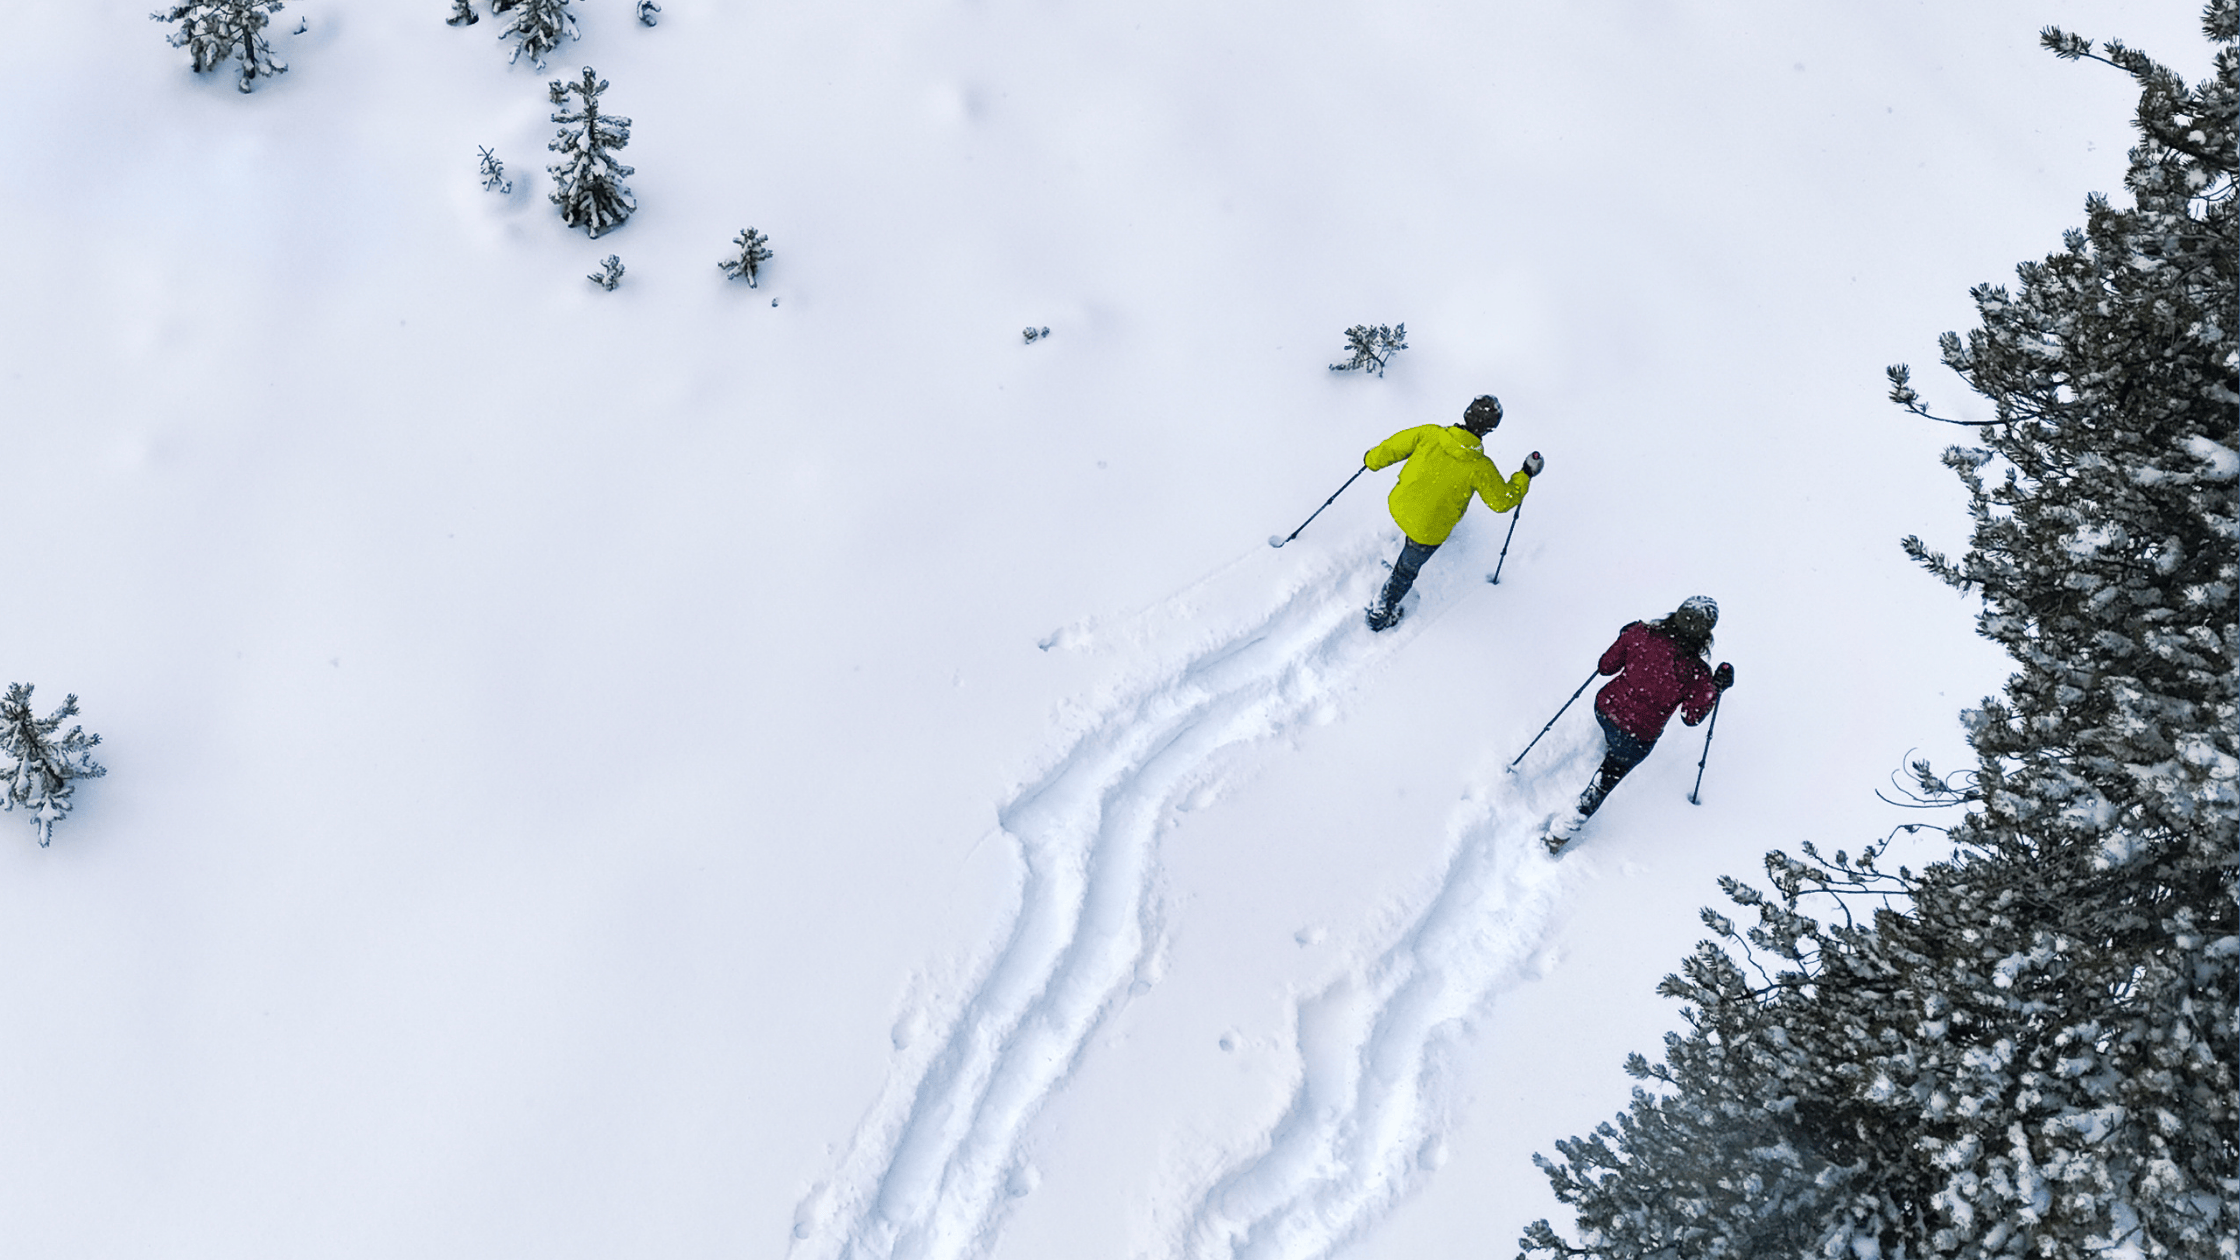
(42, 766)
(213, 30)
(589, 188)
(2028, 1048)
(493, 173)
(754, 250)
(1370, 347)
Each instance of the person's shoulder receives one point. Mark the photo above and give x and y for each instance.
(1649, 633)
(1460, 439)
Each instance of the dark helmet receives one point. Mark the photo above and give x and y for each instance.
(1695, 617)
(1483, 415)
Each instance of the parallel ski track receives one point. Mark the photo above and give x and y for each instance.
(1379, 1047)
(939, 1154)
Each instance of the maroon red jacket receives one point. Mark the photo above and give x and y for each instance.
(1655, 676)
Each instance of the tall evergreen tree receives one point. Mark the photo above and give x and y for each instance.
(214, 30)
(589, 188)
(2028, 1048)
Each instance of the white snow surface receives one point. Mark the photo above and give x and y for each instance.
(801, 772)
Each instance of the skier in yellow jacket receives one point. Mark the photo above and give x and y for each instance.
(1446, 465)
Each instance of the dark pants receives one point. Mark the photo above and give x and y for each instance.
(1404, 571)
(1622, 752)
(1625, 751)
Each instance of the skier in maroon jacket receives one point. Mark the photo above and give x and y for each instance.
(1660, 667)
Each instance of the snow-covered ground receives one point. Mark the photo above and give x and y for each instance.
(799, 772)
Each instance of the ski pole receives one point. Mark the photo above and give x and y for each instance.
(1559, 713)
(1274, 541)
(1514, 513)
(1706, 749)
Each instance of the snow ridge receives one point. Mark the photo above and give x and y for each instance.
(940, 1153)
(1367, 1120)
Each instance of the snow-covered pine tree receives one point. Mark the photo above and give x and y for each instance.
(213, 30)
(462, 14)
(647, 10)
(754, 250)
(537, 26)
(1371, 346)
(2029, 1048)
(42, 766)
(589, 188)
(609, 273)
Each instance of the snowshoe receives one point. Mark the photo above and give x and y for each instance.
(1560, 827)
(1384, 617)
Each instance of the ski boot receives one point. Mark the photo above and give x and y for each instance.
(1384, 616)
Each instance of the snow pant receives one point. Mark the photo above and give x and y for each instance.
(1622, 752)
(1404, 571)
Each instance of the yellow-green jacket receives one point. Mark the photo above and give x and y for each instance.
(1446, 465)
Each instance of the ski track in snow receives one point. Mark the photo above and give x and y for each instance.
(939, 1153)
(1378, 1048)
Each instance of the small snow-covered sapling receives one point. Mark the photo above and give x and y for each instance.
(42, 766)
(646, 10)
(537, 25)
(1034, 334)
(462, 14)
(588, 181)
(609, 273)
(214, 30)
(753, 252)
(1372, 346)
(493, 172)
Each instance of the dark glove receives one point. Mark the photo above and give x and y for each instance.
(1723, 677)
(1533, 464)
